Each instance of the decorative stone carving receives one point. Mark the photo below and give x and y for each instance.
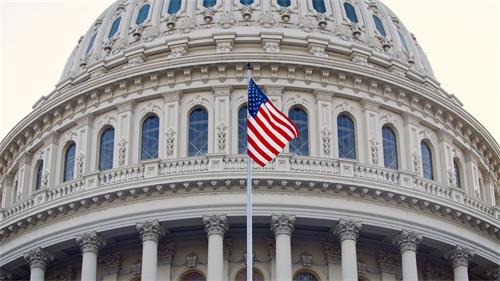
(137, 32)
(135, 269)
(178, 51)
(111, 263)
(187, 24)
(343, 32)
(452, 179)
(150, 33)
(326, 140)
(191, 260)
(285, 13)
(271, 248)
(306, 259)
(358, 59)
(407, 240)
(271, 46)
(374, 150)
(166, 253)
(79, 165)
(45, 179)
(246, 11)
(150, 230)
(493, 273)
(208, 15)
(66, 274)
(282, 224)
(347, 229)
(224, 46)
(416, 162)
(90, 242)
(38, 258)
(332, 252)
(215, 224)
(306, 24)
(170, 140)
(227, 20)
(388, 262)
(221, 136)
(228, 245)
(356, 30)
(322, 20)
(318, 51)
(459, 256)
(267, 19)
(170, 21)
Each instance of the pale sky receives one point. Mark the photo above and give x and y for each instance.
(461, 39)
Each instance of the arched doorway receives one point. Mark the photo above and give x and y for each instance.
(192, 276)
(242, 275)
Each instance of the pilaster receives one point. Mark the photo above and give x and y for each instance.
(222, 116)
(371, 148)
(171, 127)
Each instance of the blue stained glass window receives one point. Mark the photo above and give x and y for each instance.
(390, 145)
(304, 276)
(39, 175)
(300, 144)
(150, 138)
(106, 149)
(284, 3)
(456, 168)
(142, 15)
(427, 168)
(91, 44)
(379, 25)
(242, 130)
(114, 27)
(346, 137)
(198, 132)
(403, 41)
(174, 6)
(246, 2)
(69, 162)
(319, 6)
(350, 12)
(209, 3)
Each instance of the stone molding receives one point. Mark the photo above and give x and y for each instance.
(282, 224)
(459, 256)
(38, 258)
(347, 229)
(150, 231)
(215, 224)
(90, 242)
(407, 240)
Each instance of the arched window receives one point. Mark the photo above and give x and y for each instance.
(300, 144)
(304, 276)
(284, 3)
(142, 15)
(114, 27)
(403, 41)
(198, 132)
(91, 44)
(456, 170)
(209, 3)
(379, 25)
(174, 6)
(150, 138)
(427, 169)
(350, 11)
(319, 6)
(346, 137)
(106, 148)
(193, 276)
(390, 145)
(246, 2)
(242, 129)
(39, 175)
(242, 275)
(69, 162)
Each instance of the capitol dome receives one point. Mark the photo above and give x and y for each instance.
(134, 167)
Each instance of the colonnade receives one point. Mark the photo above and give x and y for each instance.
(282, 226)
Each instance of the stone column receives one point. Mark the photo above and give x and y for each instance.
(348, 231)
(283, 226)
(90, 243)
(215, 226)
(407, 242)
(38, 260)
(460, 258)
(165, 257)
(228, 245)
(332, 256)
(150, 233)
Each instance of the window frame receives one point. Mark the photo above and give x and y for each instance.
(117, 32)
(308, 128)
(427, 143)
(141, 137)
(138, 11)
(66, 149)
(396, 145)
(38, 174)
(190, 112)
(355, 135)
(100, 143)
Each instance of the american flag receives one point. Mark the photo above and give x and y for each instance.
(268, 129)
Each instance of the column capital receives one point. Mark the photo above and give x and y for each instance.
(407, 240)
(90, 242)
(282, 224)
(459, 256)
(38, 258)
(215, 224)
(347, 229)
(150, 231)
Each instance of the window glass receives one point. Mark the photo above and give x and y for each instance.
(403, 41)
(106, 149)
(114, 27)
(246, 2)
(142, 15)
(198, 132)
(174, 6)
(350, 12)
(304, 276)
(319, 6)
(209, 3)
(300, 144)
(379, 25)
(39, 175)
(91, 44)
(242, 130)
(150, 138)
(390, 148)
(458, 176)
(69, 162)
(346, 137)
(284, 3)
(427, 169)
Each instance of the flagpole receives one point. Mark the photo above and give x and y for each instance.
(249, 201)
